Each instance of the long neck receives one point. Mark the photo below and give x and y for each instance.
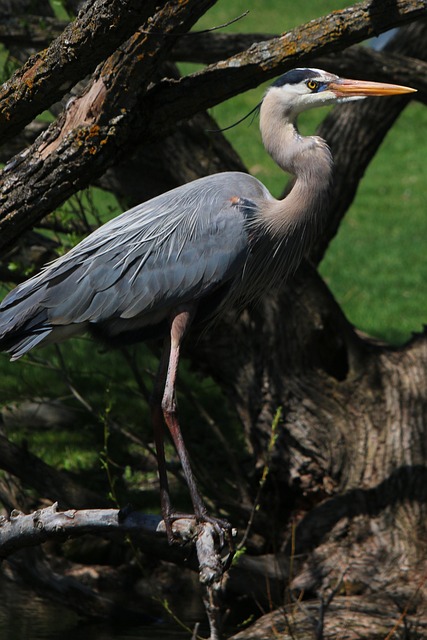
(307, 159)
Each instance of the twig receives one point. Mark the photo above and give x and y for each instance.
(406, 609)
(324, 604)
(265, 472)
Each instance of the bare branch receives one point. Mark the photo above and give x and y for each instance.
(262, 61)
(21, 530)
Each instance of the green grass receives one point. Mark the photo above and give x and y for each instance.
(376, 266)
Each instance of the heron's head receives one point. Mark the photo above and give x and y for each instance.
(304, 88)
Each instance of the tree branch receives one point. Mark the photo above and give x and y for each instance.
(210, 48)
(263, 61)
(20, 531)
(94, 129)
(49, 74)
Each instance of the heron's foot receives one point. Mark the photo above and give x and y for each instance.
(222, 527)
(224, 532)
(172, 516)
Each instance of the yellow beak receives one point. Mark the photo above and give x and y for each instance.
(344, 88)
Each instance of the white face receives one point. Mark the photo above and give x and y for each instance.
(302, 89)
(312, 91)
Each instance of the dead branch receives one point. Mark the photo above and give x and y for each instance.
(20, 531)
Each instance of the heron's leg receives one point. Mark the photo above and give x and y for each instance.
(165, 385)
(157, 420)
(179, 326)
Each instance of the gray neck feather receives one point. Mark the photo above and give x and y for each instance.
(310, 162)
(284, 229)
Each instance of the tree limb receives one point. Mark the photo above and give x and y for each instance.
(210, 48)
(20, 531)
(263, 61)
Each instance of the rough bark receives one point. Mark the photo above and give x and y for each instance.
(94, 129)
(47, 75)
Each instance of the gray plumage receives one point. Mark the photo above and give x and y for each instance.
(129, 274)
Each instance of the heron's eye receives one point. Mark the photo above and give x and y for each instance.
(312, 85)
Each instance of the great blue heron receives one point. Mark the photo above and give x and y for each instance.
(188, 254)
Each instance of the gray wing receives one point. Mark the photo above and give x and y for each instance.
(133, 270)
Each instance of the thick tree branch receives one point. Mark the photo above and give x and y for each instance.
(20, 531)
(49, 74)
(209, 48)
